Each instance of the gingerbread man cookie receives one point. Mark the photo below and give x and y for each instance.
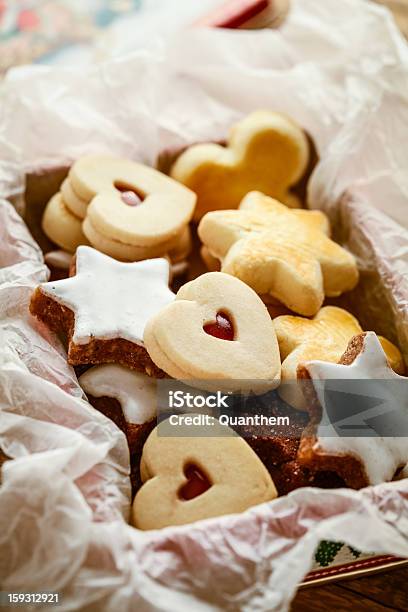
(325, 337)
(103, 309)
(282, 253)
(129, 211)
(217, 329)
(187, 479)
(369, 459)
(266, 151)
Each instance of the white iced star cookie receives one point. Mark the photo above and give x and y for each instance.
(103, 309)
(129, 399)
(379, 395)
(325, 337)
(135, 391)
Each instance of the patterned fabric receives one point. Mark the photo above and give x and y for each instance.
(327, 553)
(35, 30)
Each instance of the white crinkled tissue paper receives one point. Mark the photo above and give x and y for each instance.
(340, 68)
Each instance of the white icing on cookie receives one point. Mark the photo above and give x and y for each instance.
(112, 299)
(135, 392)
(58, 259)
(381, 456)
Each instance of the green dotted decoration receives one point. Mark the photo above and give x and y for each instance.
(356, 553)
(326, 552)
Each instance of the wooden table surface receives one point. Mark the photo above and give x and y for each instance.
(375, 593)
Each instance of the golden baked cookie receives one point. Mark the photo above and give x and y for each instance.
(281, 252)
(266, 152)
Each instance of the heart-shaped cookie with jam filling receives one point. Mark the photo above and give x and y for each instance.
(191, 478)
(217, 329)
(265, 152)
(129, 211)
(135, 211)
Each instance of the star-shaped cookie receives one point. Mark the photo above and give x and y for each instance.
(129, 399)
(103, 309)
(325, 337)
(375, 407)
(283, 253)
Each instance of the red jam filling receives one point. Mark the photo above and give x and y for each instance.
(128, 196)
(222, 328)
(197, 483)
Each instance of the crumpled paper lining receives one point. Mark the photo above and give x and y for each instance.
(64, 498)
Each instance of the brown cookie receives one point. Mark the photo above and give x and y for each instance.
(366, 459)
(103, 308)
(128, 398)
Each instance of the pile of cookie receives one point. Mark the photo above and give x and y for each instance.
(258, 315)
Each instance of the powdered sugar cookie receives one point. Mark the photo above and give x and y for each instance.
(266, 151)
(325, 337)
(61, 226)
(365, 460)
(217, 329)
(284, 253)
(103, 309)
(189, 479)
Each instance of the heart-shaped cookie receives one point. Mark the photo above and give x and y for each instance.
(217, 329)
(191, 478)
(129, 211)
(265, 152)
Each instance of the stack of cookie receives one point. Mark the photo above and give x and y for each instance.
(251, 322)
(124, 209)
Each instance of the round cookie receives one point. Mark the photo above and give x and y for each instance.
(187, 479)
(217, 329)
(61, 226)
